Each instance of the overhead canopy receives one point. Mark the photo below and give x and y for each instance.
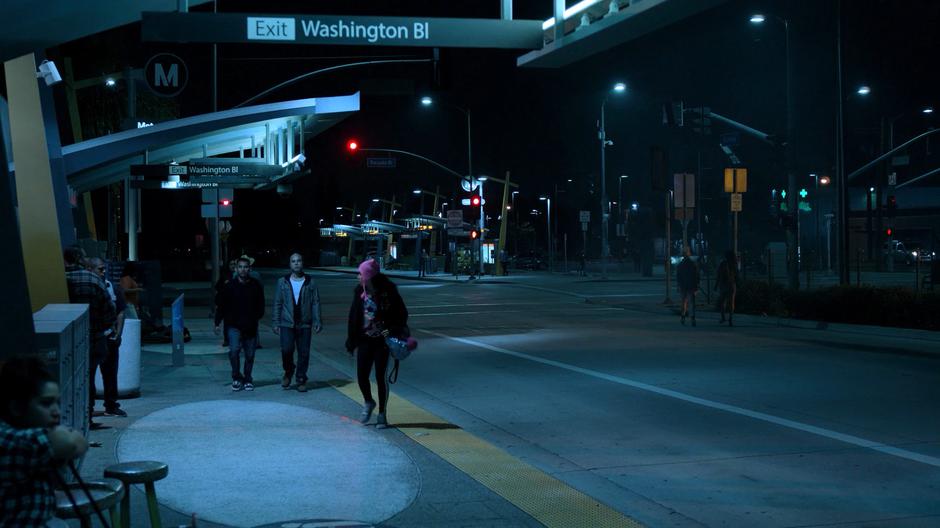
(607, 29)
(28, 26)
(279, 129)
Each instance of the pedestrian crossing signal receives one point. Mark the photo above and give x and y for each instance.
(474, 234)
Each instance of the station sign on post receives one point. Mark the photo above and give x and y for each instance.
(585, 220)
(736, 185)
(735, 180)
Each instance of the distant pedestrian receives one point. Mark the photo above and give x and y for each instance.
(726, 280)
(33, 445)
(377, 309)
(504, 261)
(132, 290)
(109, 367)
(688, 282)
(423, 266)
(241, 307)
(88, 288)
(296, 314)
(582, 264)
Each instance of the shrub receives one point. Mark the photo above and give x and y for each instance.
(869, 305)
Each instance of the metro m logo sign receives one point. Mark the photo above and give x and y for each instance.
(162, 78)
(166, 74)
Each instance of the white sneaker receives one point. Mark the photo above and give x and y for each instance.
(366, 412)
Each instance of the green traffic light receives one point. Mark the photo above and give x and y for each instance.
(803, 193)
(783, 193)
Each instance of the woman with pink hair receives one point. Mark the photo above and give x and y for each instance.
(377, 310)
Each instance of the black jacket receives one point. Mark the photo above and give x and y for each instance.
(687, 275)
(391, 313)
(241, 305)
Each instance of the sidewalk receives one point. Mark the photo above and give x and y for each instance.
(275, 457)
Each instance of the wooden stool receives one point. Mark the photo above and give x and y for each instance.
(144, 472)
(106, 493)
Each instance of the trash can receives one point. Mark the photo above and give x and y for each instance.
(128, 363)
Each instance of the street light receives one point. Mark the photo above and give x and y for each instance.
(427, 101)
(792, 237)
(863, 90)
(927, 110)
(548, 231)
(618, 88)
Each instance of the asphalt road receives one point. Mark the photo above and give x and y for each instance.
(598, 385)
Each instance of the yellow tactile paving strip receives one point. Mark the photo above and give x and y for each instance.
(547, 499)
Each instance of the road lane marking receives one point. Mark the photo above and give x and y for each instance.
(546, 498)
(792, 424)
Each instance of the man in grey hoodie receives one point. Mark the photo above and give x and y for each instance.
(296, 317)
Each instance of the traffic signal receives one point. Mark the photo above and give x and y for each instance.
(889, 232)
(892, 206)
(475, 200)
(226, 198)
(352, 146)
(804, 202)
(474, 234)
(701, 123)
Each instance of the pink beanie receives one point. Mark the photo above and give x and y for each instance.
(368, 269)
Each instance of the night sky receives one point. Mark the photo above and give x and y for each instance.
(540, 125)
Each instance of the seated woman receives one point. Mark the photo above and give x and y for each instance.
(32, 443)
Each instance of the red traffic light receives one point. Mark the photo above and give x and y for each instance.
(889, 232)
(352, 145)
(474, 234)
(475, 200)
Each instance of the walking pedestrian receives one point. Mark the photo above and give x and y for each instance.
(688, 281)
(109, 367)
(241, 307)
(132, 290)
(88, 288)
(296, 313)
(33, 445)
(726, 280)
(377, 309)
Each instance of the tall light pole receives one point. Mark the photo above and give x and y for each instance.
(428, 101)
(548, 232)
(824, 181)
(602, 136)
(620, 213)
(793, 270)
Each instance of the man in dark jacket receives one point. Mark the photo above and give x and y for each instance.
(241, 306)
(687, 279)
(296, 314)
(88, 288)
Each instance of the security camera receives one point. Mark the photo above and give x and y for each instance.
(49, 73)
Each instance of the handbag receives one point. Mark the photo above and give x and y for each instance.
(400, 347)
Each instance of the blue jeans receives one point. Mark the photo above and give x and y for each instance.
(237, 343)
(299, 338)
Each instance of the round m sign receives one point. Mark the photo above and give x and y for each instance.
(166, 74)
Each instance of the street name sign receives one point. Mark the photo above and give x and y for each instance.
(585, 216)
(381, 163)
(341, 30)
